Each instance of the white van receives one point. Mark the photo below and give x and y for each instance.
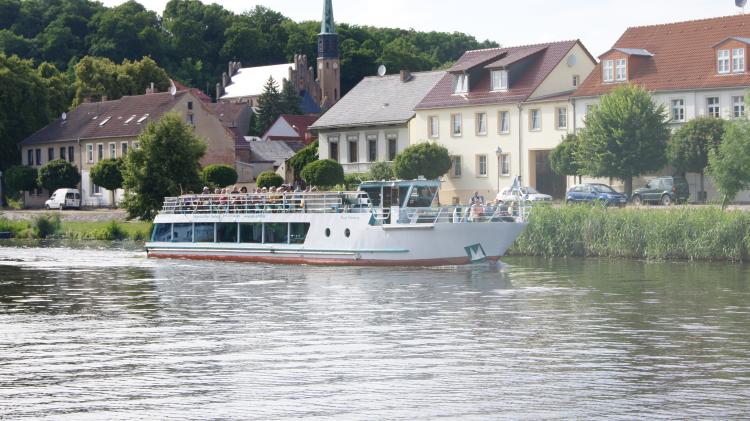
(64, 198)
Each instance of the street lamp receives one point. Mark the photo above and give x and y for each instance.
(498, 153)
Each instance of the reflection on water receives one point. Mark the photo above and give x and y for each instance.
(108, 334)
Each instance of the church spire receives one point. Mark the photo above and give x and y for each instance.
(327, 26)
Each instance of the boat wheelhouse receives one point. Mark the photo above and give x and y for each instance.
(383, 223)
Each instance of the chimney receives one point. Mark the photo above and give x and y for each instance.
(150, 90)
(219, 91)
(224, 80)
(405, 76)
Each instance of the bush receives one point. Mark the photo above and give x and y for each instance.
(58, 174)
(113, 232)
(323, 173)
(46, 226)
(219, 175)
(429, 160)
(19, 179)
(352, 181)
(381, 171)
(269, 179)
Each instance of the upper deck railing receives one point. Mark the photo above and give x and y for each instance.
(334, 202)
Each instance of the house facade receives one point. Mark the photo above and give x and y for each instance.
(372, 123)
(109, 129)
(695, 68)
(500, 112)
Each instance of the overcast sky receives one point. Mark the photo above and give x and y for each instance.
(598, 23)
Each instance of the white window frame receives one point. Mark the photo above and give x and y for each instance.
(503, 122)
(112, 150)
(576, 80)
(388, 138)
(99, 151)
(123, 148)
(535, 112)
(457, 123)
(433, 127)
(499, 80)
(677, 109)
(505, 165)
(372, 138)
(480, 121)
(608, 71)
(738, 60)
(90, 153)
(482, 165)
(738, 106)
(561, 118)
(621, 70)
(456, 163)
(136, 145)
(95, 190)
(461, 83)
(713, 108)
(352, 138)
(723, 61)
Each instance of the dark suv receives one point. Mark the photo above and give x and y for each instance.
(664, 190)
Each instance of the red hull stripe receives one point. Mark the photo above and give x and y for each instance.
(320, 261)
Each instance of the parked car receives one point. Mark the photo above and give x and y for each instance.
(595, 193)
(664, 190)
(64, 199)
(512, 194)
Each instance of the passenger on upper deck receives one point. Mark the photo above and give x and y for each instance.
(476, 199)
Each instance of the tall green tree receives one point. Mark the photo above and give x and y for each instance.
(289, 102)
(688, 147)
(426, 159)
(20, 178)
(563, 157)
(58, 174)
(625, 136)
(269, 107)
(107, 173)
(166, 164)
(97, 77)
(729, 164)
(126, 31)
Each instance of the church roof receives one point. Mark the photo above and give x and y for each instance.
(249, 81)
(327, 26)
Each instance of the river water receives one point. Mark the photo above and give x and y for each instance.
(108, 334)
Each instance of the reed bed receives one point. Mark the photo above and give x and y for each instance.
(680, 233)
(50, 226)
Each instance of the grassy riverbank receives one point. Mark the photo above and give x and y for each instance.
(51, 226)
(681, 233)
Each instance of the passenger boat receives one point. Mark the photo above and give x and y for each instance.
(384, 223)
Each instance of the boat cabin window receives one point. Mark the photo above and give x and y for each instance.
(298, 232)
(182, 233)
(256, 233)
(226, 233)
(162, 233)
(204, 233)
(374, 194)
(276, 233)
(251, 233)
(421, 196)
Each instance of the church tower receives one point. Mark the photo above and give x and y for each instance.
(329, 69)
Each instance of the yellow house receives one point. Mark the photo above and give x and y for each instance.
(500, 112)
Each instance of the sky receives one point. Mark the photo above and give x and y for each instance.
(598, 23)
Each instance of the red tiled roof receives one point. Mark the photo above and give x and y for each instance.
(195, 91)
(683, 56)
(546, 57)
(300, 123)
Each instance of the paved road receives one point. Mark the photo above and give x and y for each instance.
(67, 215)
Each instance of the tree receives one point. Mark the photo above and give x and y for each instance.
(381, 171)
(625, 136)
(729, 164)
(688, 147)
(126, 31)
(107, 173)
(563, 157)
(269, 107)
(58, 174)
(20, 178)
(324, 173)
(429, 160)
(303, 157)
(219, 175)
(97, 77)
(289, 102)
(166, 164)
(269, 179)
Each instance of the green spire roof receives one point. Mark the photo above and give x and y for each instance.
(327, 27)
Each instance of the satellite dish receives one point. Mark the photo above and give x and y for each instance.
(64, 116)
(381, 70)
(740, 3)
(572, 60)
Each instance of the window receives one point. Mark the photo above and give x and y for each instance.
(136, 145)
(535, 119)
(505, 165)
(50, 154)
(621, 70)
(99, 151)
(298, 232)
(226, 233)
(503, 122)
(95, 190)
(738, 60)
(433, 129)
(589, 108)
(562, 118)
(481, 123)
(182, 233)
(38, 153)
(372, 147)
(678, 110)
(89, 153)
(30, 157)
(481, 165)
(251, 233)
(738, 106)
(131, 118)
(461, 84)
(123, 149)
(456, 166)
(714, 109)
(353, 146)
(203, 233)
(191, 119)
(142, 119)
(190, 105)
(499, 80)
(62, 153)
(456, 124)
(71, 153)
(276, 233)
(112, 150)
(608, 71)
(576, 80)
(162, 233)
(392, 145)
(333, 148)
(722, 63)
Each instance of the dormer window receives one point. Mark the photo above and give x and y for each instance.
(462, 83)
(738, 60)
(621, 70)
(608, 71)
(499, 80)
(722, 63)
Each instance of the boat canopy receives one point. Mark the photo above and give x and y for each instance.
(401, 193)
